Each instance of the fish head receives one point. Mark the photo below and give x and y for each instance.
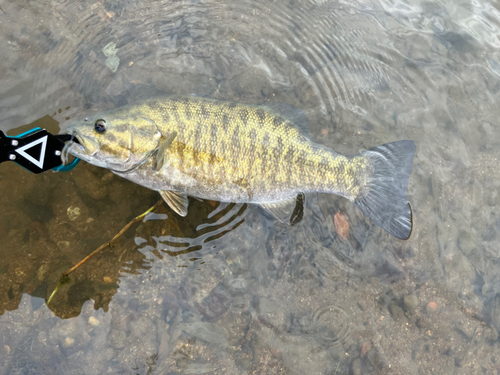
(119, 141)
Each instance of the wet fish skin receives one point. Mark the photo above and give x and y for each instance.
(225, 151)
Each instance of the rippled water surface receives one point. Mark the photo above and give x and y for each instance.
(228, 290)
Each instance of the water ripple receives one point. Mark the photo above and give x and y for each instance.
(328, 47)
(222, 220)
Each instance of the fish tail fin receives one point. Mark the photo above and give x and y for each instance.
(385, 201)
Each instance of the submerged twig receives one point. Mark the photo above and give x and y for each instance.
(133, 221)
(62, 281)
(65, 276)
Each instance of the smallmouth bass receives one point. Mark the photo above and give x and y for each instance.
(230, 152)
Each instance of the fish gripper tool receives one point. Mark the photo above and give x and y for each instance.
(37, 150)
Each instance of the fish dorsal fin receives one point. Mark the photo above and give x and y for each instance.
(289, 211)
(162, 150)
(177, 201)
(293, 114)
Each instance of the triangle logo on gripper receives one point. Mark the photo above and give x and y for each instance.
(22, 151)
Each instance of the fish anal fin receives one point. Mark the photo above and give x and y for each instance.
(162, 150)
(177, 201)
(289, 211)
(296, 116)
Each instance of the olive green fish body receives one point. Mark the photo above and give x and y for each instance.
(242, 153)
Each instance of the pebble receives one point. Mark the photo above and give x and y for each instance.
(431, 308)
(356, 368)
(73, 213)
(417, 353)
(363, 304)
(19, 272)
(93, 321)
(108, 354)
(365, 347)
(411, 302)
(68, 342)
(341, 225)
(40, 273)
(107, 279)
(493, 198)
(112, 61)
(396, 312)
(422, 322)
(63, 244)
(215, 304)
(490, 334)
(7, 349)
(117, 338)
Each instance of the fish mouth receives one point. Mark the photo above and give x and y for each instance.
(82, 148)
(86, 149)
(83, 143)
(76, 147)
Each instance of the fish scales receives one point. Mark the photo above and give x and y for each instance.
(244, 153)
(234, 145)
(249, 138)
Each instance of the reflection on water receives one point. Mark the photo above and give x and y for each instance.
(62, 231)
(229, 290)
(199, 231)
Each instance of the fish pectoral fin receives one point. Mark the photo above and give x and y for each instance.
(162, 150)
(177, 201)
(289, 211)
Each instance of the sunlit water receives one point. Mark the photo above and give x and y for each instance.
(228, 290)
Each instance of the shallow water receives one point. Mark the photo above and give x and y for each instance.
(228, 290)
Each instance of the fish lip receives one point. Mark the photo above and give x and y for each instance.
(80, 142)
(79, 150)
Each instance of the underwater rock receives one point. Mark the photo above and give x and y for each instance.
(411, 302)
(215, 304)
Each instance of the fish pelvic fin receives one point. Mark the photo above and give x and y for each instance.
(177, 201)
(385, 201)
(289, 211)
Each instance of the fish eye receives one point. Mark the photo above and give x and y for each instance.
(100, 126)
